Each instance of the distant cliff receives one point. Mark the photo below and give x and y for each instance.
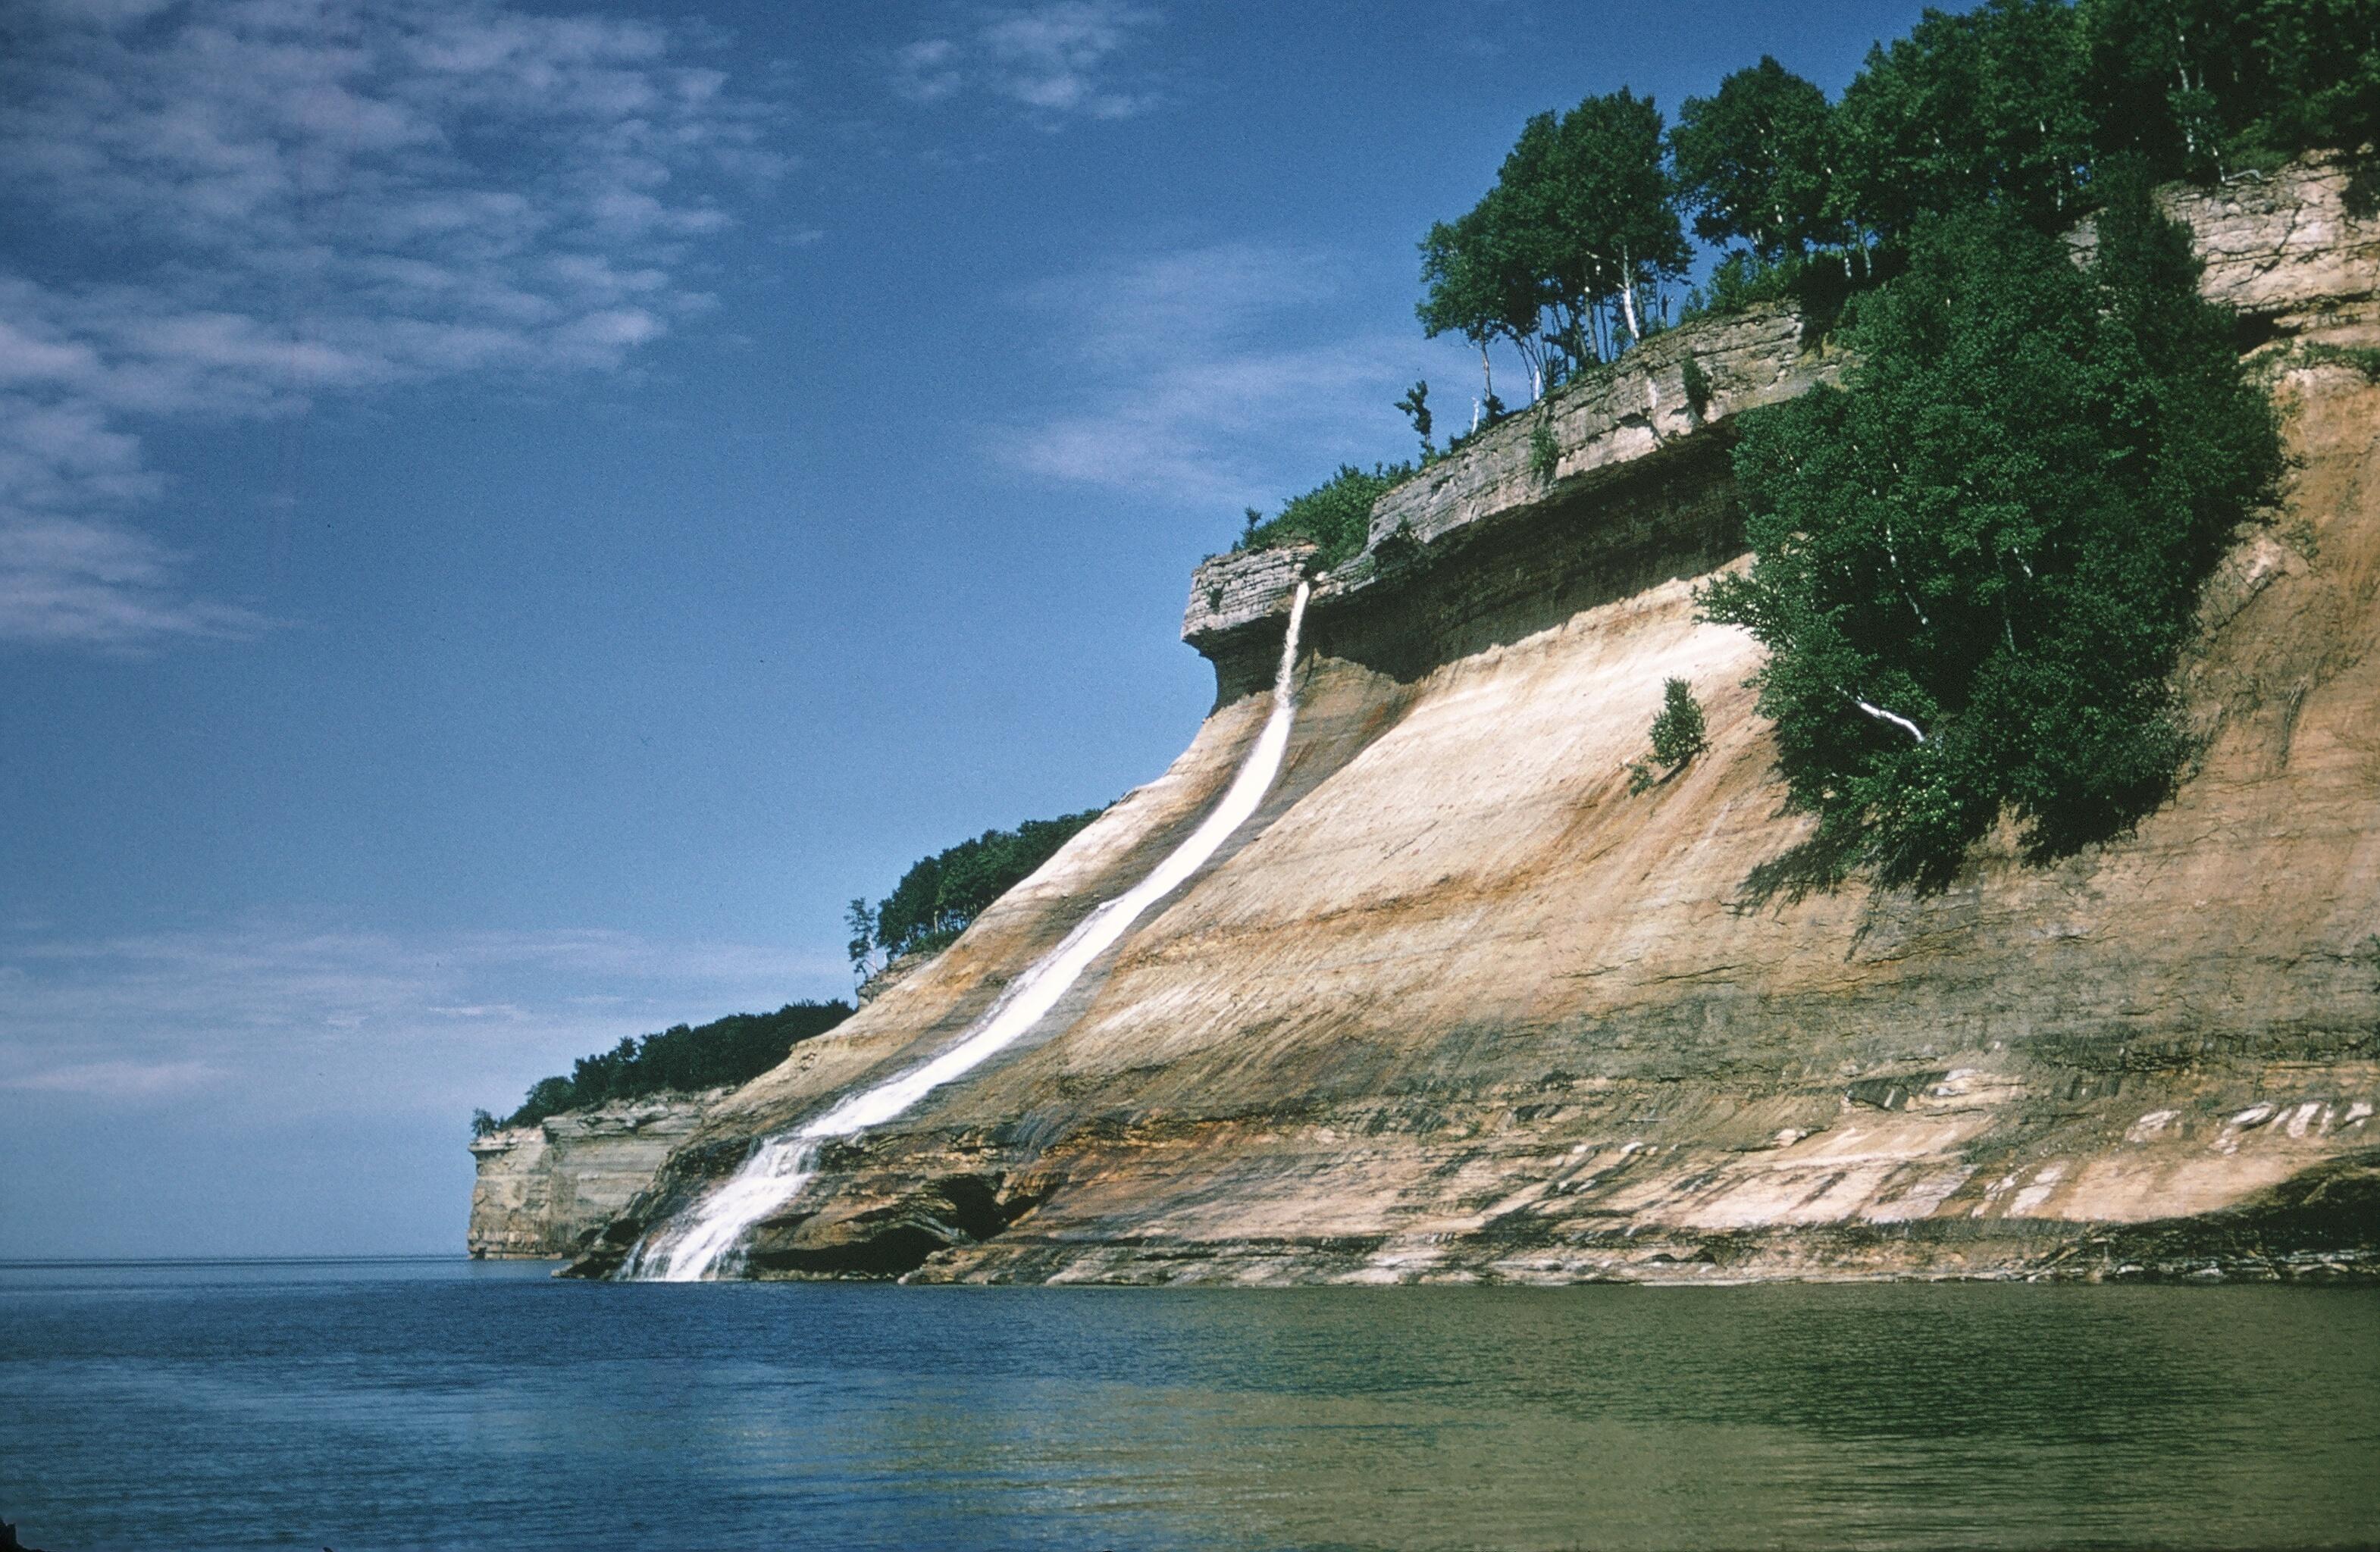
(544, 1186)
(1457, 1005)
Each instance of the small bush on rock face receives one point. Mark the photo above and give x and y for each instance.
(1698, 387)
(1545, 452)
(1679, 734)
(2362, 359)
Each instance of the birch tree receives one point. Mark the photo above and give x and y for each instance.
(1984, 105)
(2201, 88)
(1754, 162)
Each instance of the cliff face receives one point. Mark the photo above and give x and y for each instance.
(540, 1189)
(1456, 1005)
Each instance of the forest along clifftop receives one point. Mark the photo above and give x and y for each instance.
(1458, 1005)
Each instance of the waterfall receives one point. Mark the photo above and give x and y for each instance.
(708, 1243)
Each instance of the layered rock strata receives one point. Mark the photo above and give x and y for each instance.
(1457, 1005)
(541, 1189)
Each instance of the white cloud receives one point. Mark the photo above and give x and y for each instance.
(73, 582)
(1056, 60)
(288, 198)
(926, 71)
(1212, 377)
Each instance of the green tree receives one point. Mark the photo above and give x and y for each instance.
(2152, 67)
(859, 918)
(1600, 206)
(730, 1050)
(2201, 87)
(940, 894)
(1415, 407)
(1678, 735)
(1754, 162)
(1975, 563)
(1580, 224)
(1984, 105)
(1476, 284)
(546, 1097)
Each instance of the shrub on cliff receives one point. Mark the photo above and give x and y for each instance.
(1679, 733)
(1975, 564)
(1335, 514)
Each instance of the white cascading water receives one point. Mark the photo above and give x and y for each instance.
(709, 1243)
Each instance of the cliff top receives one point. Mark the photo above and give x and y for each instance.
(2278, 248)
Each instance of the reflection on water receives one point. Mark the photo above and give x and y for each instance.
(447, 1405)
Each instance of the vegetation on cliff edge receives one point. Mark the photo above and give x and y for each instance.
(1567, 259)
(734, 1049)
(1336, 516)
(1975, 564)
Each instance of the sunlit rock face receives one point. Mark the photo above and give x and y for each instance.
(541, 1189)
(1457, 1005)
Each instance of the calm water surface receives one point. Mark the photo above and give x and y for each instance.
(446, 1404)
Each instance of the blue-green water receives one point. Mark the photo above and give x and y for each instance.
(447, 1404)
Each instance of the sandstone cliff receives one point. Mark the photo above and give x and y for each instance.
(1456, 1005)
(541, 1189)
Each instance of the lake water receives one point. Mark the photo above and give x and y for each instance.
(444, 1404)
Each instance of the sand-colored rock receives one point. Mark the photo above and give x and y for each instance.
(1456, 1005)
(540, 1189)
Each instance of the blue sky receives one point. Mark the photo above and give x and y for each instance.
(511, 515)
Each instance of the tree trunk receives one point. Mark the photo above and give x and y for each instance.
(1881, 715)
(1628, 299)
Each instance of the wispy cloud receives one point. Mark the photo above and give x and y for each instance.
(1222, 375)
(116, 1080)
(307, 1017)
(1057, 61)
(280, 199)
(97, 583)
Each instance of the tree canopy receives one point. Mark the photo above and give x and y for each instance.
(1756, 163)
(1974, 563)
(2204, 88)
(1985, 104)
(940, 894)
(1571, 245)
